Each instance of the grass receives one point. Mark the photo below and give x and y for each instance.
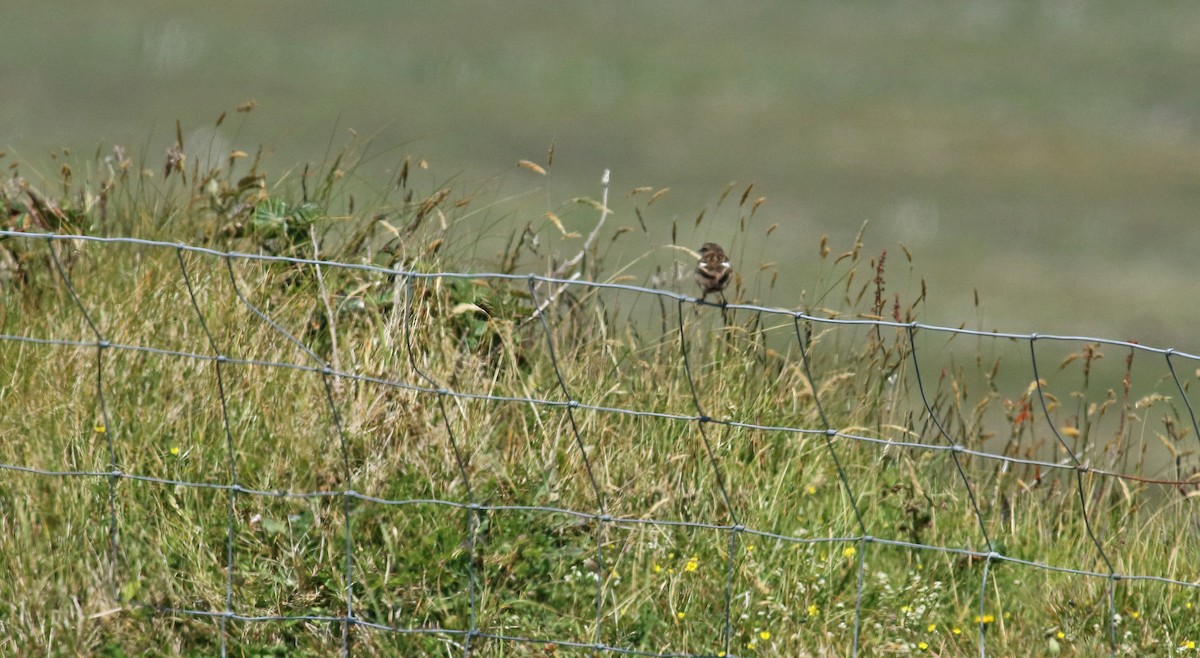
(754, 521)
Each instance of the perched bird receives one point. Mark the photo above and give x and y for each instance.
(713, 272)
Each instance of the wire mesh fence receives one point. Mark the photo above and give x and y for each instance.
(235, 498)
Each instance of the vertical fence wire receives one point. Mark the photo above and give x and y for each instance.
(103, 423)
(218, 366)
(701, 419)
(955, 449)
(829, 434)
(603, 516)
(335, 419)
(474, 512)
(1080, 470)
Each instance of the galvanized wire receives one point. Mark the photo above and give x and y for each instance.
(475, 510)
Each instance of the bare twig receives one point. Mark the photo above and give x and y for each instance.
(587, 244)
(591, 238)
(549, 300)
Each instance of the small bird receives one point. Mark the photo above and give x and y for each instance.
(713, 272)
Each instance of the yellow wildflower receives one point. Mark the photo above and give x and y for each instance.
(692, 564)
(850, 552)
(765, 635)
(813, 610)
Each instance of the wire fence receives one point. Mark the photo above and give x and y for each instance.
(475, 508)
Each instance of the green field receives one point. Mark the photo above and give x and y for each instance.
(171, 503)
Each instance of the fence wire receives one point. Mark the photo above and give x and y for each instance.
(474, 510)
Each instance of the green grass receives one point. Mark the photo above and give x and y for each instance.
(534, 572)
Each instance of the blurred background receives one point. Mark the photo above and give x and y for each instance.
(1045, 155)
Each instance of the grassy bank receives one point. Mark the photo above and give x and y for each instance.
(159, 499)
